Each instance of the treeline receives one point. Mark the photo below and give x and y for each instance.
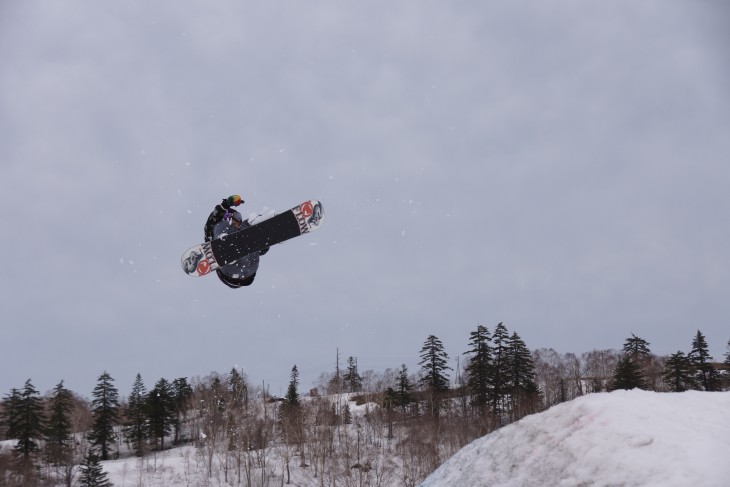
(564, 377)
(411, 424)
(57, 433)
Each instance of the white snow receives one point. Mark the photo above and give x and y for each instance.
(623, 438)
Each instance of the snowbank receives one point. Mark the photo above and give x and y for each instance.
(626, 438)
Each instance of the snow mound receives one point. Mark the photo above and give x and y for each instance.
(622, 438)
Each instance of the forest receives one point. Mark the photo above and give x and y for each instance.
(356, 428)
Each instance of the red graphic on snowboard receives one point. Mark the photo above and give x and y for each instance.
(306, 209)
(203, 267)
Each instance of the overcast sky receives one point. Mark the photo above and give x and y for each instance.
(561, 167)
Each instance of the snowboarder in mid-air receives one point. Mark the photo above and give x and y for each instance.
(225, 220)
(233, 245)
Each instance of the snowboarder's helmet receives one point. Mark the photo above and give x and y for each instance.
(236, 216)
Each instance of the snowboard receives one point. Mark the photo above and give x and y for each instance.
(209, 256)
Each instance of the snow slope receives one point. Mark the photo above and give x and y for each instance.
(623, 438)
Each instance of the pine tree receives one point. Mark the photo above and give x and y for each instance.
(292, 395)
(291, 412)
(677, 372)
(523, 387)
(626, 376)
(136, 426)
(389, 403)
(434, 366)
(181, 393)
(237, 389)
(434, 362)
(220, 394)
(479, 367)
(30, 422)
(500, 375)
(636, 348)
(352, 379)
(11, 413)
(161, 411)
(105, 412)
(346, 414)
(92, 473)
(59, 444)
(725, 378)
(404, 386)
(705, 374)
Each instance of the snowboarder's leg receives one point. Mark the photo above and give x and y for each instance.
(234, 283)
(227, 280)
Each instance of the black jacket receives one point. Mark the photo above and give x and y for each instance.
(217, 215)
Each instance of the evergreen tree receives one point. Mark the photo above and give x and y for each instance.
(479, 367)
(11, 413)
(92, 474)
(389, 403)
(220, 394)
(725, 378)
(181, 393)
(677, 372)
(292, 395)
(105, 412)
(59, 444)
(705, 374)
(500, 375)
(238, 400)
(291, 411)
(352, 378)
(404, 386)
(523, 387)
(626, 375)
(434, 366)
(346, 413)
(636, 348)
(389, 399)
(433, 363)
(136, 425)
(237, 389)
(30, 422)
(161, 411)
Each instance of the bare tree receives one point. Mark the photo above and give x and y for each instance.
(598, 367)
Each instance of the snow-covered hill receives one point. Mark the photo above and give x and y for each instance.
(623, 438)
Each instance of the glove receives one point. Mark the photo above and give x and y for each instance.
(233, 200)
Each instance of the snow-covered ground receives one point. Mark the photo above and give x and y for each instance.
(623, 438)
